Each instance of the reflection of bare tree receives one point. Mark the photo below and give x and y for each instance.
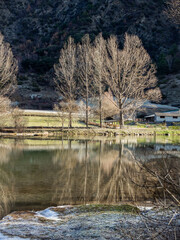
(104, 173)
(85, 174)
(8, 150)
(119, 186)
(67, 160)
(7, 182)
(99, 174)
(5, 153)
(6, 193)
(163, 174)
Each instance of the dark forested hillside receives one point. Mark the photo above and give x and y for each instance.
(37, 29)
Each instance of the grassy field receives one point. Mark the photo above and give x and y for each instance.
(40, 121)
(49, 121)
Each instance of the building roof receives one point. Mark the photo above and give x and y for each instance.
(168, 114)
(150, 116)
(165, 114)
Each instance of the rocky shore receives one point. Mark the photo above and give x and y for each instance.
(92, 222)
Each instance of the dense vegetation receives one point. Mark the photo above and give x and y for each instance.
(37, 30)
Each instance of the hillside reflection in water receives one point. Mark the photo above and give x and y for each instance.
(35, 176)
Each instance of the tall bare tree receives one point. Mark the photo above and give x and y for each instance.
(173, 11)
(85, 70)
(8, 68)
(131, 75)
(100, 71)
(65, 72)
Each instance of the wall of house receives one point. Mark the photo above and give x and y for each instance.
(167, 119)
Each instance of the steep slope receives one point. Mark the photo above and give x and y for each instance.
(37, 30)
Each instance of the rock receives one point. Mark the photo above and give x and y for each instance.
(75, 223)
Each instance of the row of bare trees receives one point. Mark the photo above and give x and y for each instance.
(88, 68)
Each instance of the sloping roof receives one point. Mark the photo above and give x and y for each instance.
(164, 107)
(168, 114)
(150, 116)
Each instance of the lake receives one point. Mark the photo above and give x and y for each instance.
(35, 173)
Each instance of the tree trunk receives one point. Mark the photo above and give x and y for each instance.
(100, 105)
(121, 117)
(100, 111)
(87, 110)
(121, 120)
(70, 119)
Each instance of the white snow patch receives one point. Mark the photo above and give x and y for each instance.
(145, 208)
(63, 206)
(48, 214)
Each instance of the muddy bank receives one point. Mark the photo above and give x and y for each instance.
(92, 222)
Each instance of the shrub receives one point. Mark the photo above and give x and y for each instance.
(18, 120)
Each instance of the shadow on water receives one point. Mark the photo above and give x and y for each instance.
(33, 177)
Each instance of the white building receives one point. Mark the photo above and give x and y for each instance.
(168, 117)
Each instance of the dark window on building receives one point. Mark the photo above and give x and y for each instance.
(162, 116)
(175, 117)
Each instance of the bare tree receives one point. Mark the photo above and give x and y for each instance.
(108, 106)
(8, 68)
(61, 109)
(65, 75)
(173, 11)
(85, 70)
(18, 119)
(131, 75)
(100, 71)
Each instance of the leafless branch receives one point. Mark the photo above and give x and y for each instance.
(65, 75)
(8, 68)
(173, 11)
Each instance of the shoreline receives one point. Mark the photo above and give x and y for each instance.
(106, 132)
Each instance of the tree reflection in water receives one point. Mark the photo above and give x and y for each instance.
(6, 183)
(105, 173)
(81, 172)
(7, 178)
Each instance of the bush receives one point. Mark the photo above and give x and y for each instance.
(18, 120)
(4, 111)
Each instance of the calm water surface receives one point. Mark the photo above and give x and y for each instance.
(35, 174)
